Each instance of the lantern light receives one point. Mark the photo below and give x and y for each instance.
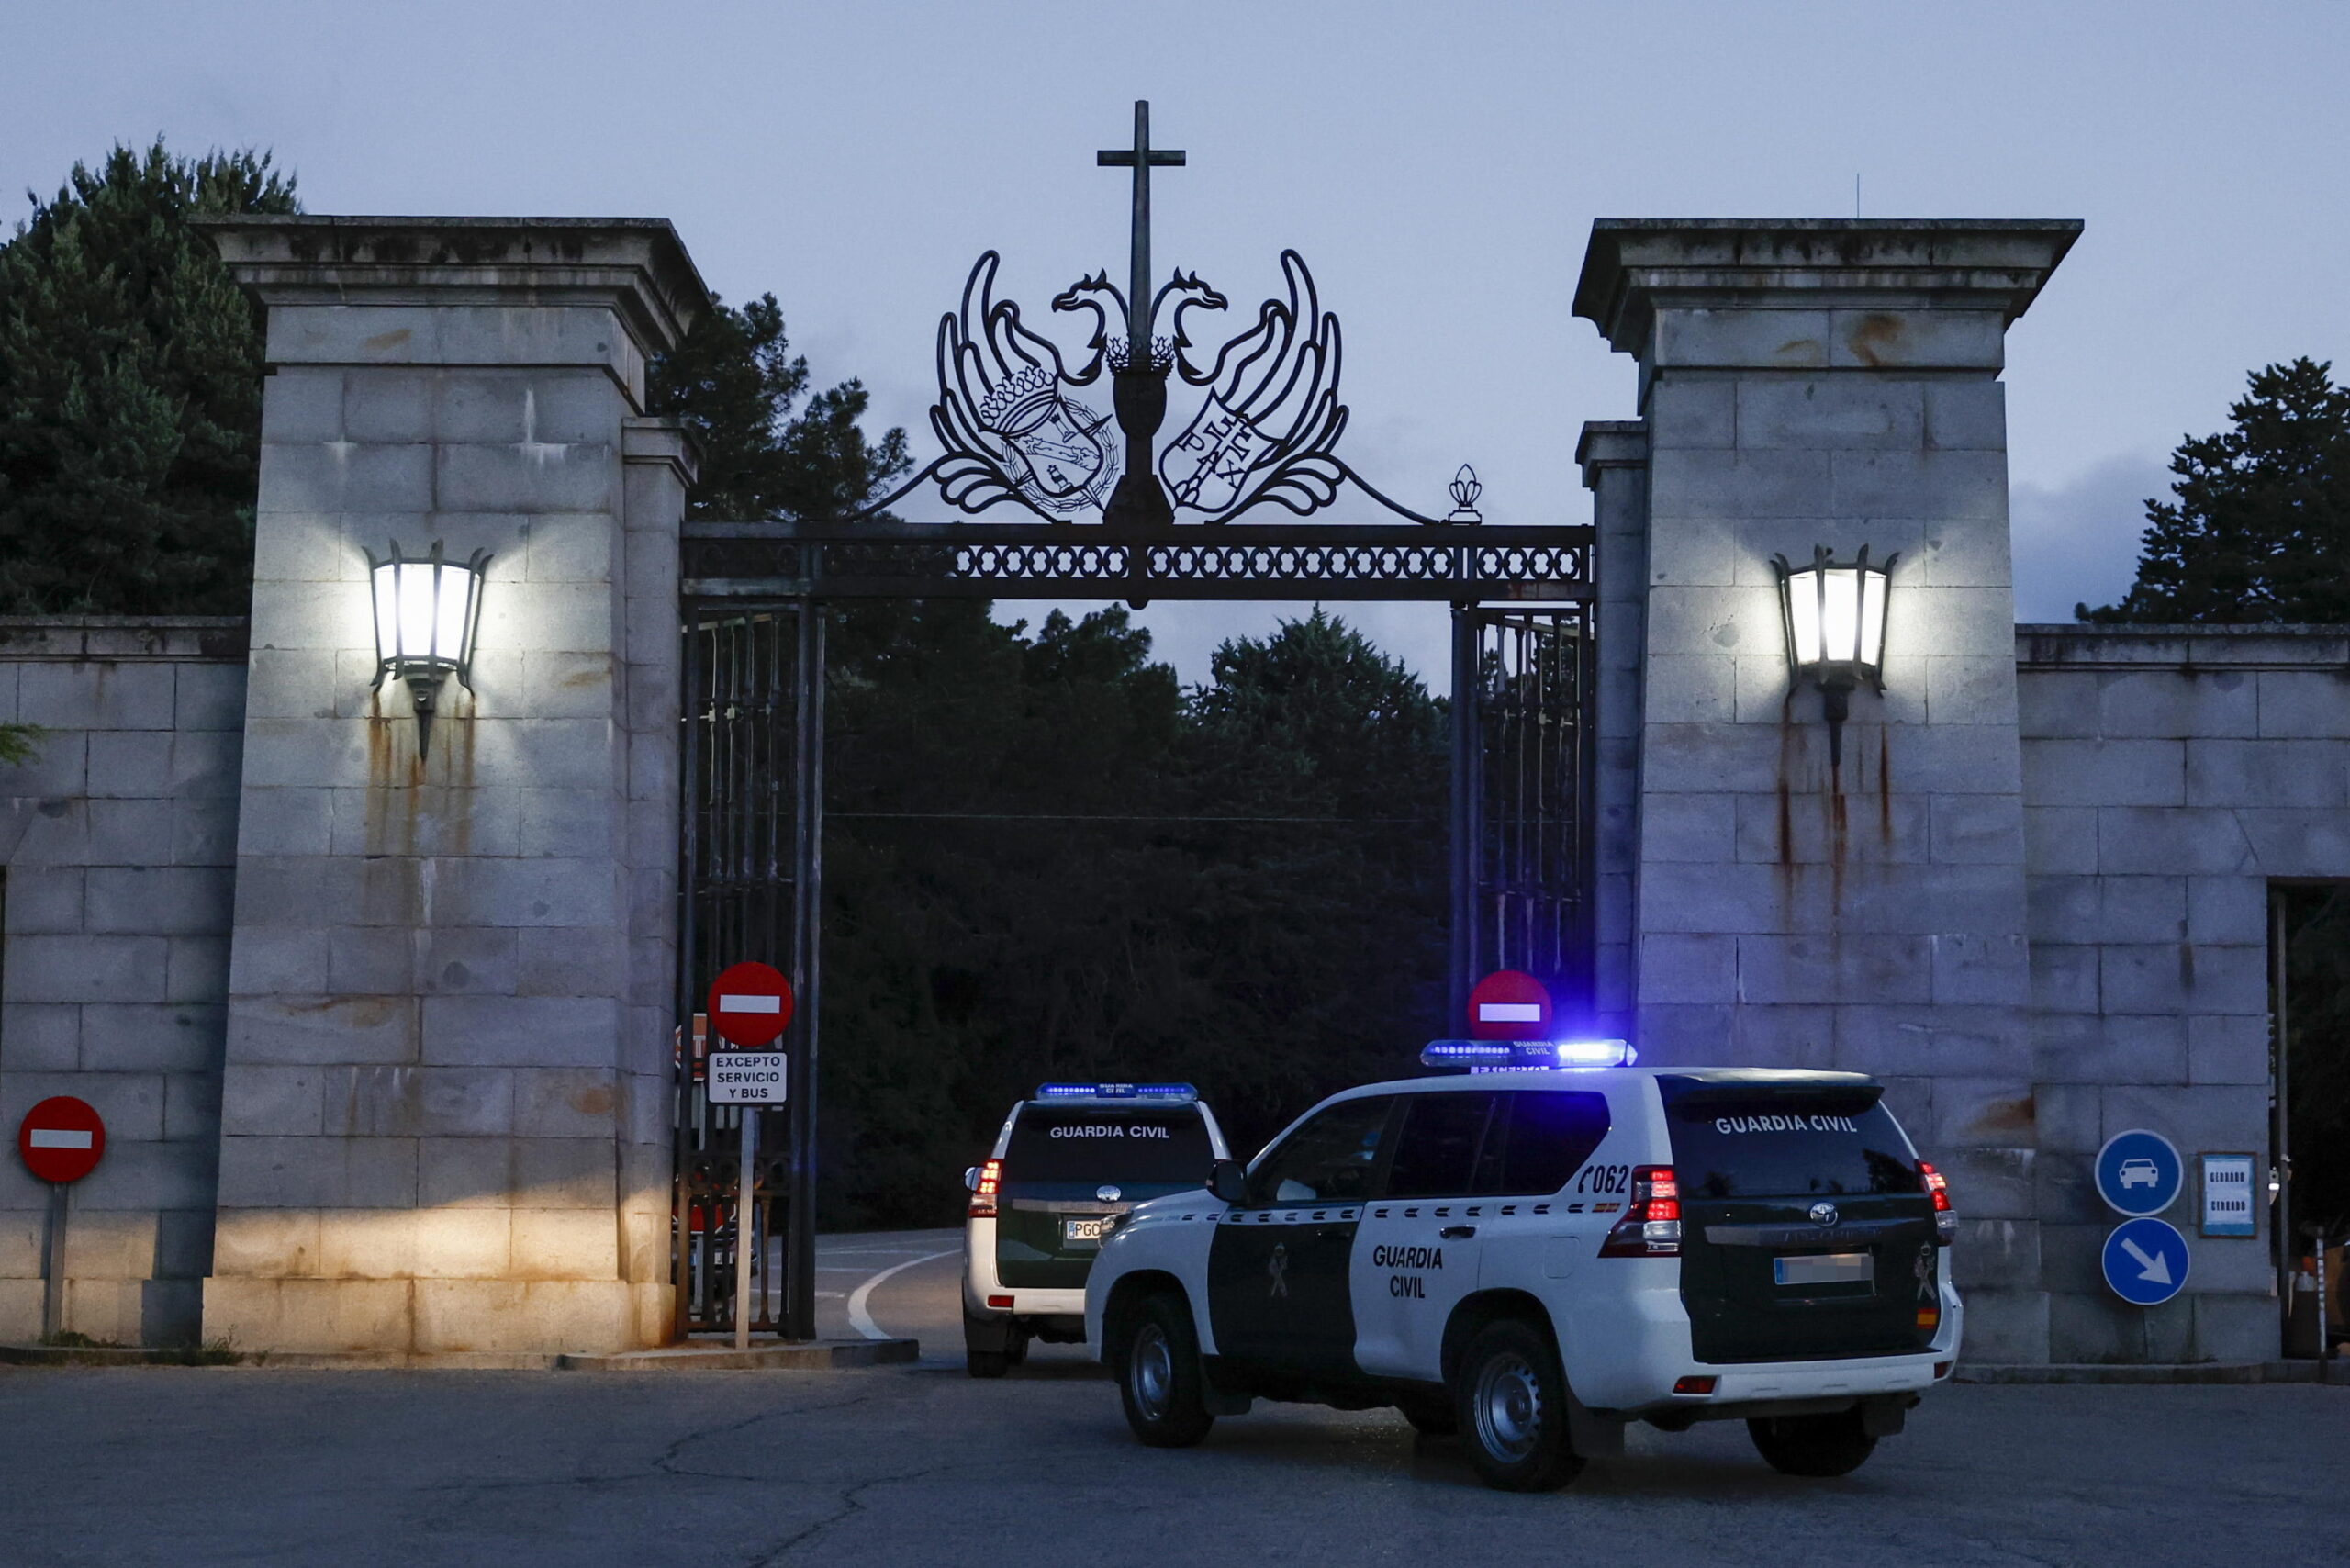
(426, 613)
(1834, 616)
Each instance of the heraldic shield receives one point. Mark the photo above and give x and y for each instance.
(1049, 444)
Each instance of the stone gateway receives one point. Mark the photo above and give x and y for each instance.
(384, 1040)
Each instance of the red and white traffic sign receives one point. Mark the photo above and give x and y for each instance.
(62, 1139)
(749, 1004)
(1509, 1004)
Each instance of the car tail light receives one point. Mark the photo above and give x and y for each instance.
(1941, 1369)
(1651, 1223)
(983, 1194)
(1938, 1188)
(1694, 1385)
(999, 1302)
(1929, 1319)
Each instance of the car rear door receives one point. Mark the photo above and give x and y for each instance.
(1070, 1168)
(1806, 1229)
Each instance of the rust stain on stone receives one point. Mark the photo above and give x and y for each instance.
(361, 1011)
(2019, 1115)
(594, 1100)
(383, 342)
(1873, 338)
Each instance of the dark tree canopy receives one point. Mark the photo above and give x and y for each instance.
(130, 369)
(734, 382)
(2259, 527)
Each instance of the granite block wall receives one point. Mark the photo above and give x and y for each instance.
(118, 842)
(2171, 776)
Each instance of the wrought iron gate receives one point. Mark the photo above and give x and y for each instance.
(1524, 770)
(752, 865)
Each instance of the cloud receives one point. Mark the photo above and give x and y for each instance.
(2076, 542)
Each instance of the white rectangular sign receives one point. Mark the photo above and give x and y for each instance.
(1509, 1012)
(2227, 1195)
(58, 1138)
(746, 1077)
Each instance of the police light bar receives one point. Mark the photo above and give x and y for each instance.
(1182, 1092)
(1527, 1056)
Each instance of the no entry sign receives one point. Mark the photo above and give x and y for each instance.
(1509, 1004)
(749, 1004)
(62, 1139)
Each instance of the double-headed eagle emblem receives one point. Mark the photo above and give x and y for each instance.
(1014, 428)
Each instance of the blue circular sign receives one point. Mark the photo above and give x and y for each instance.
(2145, 1262)
(2138, 1172)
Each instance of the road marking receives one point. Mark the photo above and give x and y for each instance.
(862, 1320)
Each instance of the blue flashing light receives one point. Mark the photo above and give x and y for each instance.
(1527, 1056)
(1182, 1092)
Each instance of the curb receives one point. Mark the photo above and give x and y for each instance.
(104, 1356)
(2238, 1372)
(823, 1356)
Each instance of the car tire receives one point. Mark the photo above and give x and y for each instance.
(986, 1363)
(1833, 1444)
(1161, 1381)
(1016, 1349)
(1509, 1399)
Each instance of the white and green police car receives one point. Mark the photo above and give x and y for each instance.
(1537, 1253)
(1068, 1167)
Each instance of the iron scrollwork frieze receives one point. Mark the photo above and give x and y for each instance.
(1446, 562)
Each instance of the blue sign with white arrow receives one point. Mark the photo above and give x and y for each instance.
(2138, 1172)
(2145, 1262)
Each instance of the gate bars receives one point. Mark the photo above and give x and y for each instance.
(1524, 771)
(752, 860)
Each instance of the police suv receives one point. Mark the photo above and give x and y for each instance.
(1066, 1168)
(1538, 1252)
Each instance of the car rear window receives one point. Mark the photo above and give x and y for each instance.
(1539, 1138)
(1079, 1143)
(1750, 1142)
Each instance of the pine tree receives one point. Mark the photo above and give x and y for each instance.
(2260, 528)
(734, 382)
(130, 368)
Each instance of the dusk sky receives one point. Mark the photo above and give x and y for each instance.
(1438, 166)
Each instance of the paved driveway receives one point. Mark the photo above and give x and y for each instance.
(921, 1465)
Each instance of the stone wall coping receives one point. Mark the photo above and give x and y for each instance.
(185, 639)
(1634, 264)
(1611, 444)
(2185, 648)
(635, 265)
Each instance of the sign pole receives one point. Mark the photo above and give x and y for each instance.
(745, 1227)
(52, 1293)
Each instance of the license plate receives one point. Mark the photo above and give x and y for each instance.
(1085, 1232)
(1824, 1269)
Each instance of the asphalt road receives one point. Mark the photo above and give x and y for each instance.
(921, 1465)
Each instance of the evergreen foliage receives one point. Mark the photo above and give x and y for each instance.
(734, 381)
(2260, 530)
(130, 369)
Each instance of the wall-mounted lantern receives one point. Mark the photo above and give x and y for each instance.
(426, 612)
(1834, 615)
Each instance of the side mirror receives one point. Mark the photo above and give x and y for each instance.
(1228, 1180)
(971, 1179)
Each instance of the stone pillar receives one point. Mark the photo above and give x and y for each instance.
(445, 1105)
(1613, 455)
(1837, 383)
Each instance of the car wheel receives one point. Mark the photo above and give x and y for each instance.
(986, 1363)
(1161, 1381)
(1509, 1395)
(1813, 1445)
(1431, 1417)
(1016, 1349)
